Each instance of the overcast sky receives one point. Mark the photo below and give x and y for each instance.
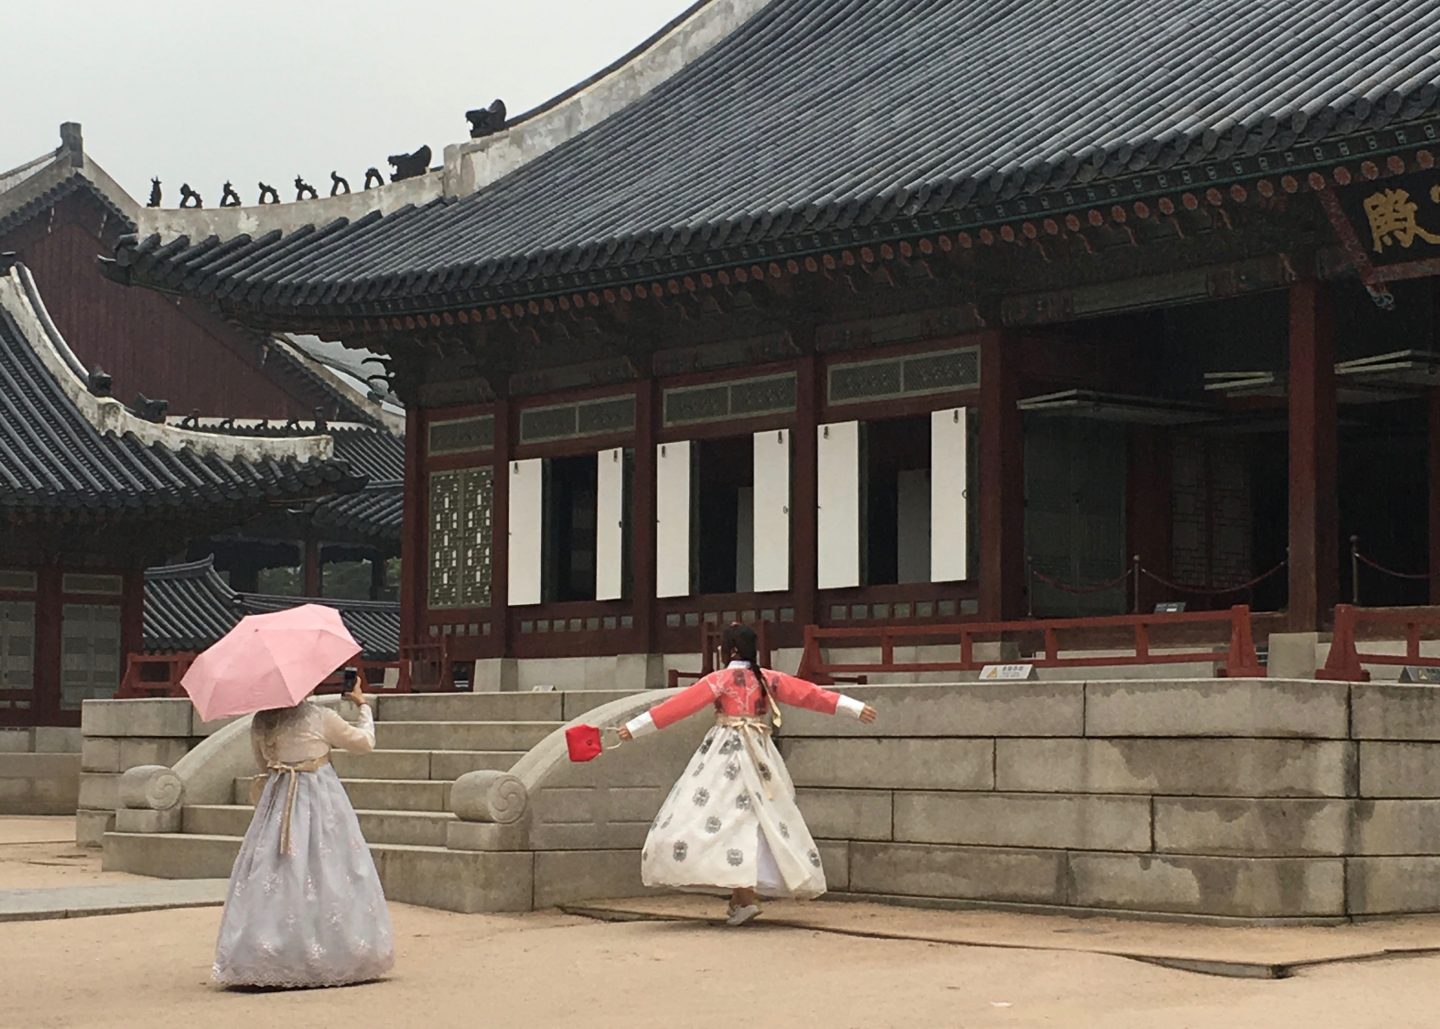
(201, 91)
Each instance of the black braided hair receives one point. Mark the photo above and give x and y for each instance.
(740, 640)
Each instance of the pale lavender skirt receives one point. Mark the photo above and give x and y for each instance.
(314, 917)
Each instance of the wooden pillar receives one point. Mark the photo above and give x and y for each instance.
(1149, 516)
(1314, 511)
(47, 669)
(412, 529)
(804, 528)
(314, 584)
(642, 513)
(1432, 465)
(1002, 480)
(132, 616)
(500, 538)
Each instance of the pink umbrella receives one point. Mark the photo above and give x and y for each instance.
(268, 661)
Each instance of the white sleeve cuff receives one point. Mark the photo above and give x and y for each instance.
(642, 725)
(850, 706)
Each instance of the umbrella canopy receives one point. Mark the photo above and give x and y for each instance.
(268, 661)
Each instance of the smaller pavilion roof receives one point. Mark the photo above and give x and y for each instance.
(67, 448)
(190, 606)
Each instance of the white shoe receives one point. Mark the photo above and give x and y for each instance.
(741, 915)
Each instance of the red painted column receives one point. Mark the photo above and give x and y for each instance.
(642, 515)
(314, 579)
(804, 524)
(500, 536)
(1433, 464)
(1314, 511)
(1002, 481)
(132, 616)
(1149, 517)
(412, 548)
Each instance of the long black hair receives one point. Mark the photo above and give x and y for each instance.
(740, 640)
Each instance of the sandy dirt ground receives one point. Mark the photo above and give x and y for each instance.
(547, 969)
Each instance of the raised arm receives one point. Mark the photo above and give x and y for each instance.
(358, 738)
(257, 747)
(681, 706)
(799, 693)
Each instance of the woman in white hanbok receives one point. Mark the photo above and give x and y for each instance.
(730, 820)
(305, 907)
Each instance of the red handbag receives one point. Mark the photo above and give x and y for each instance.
(583, 742)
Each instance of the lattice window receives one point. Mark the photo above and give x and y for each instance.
(941, 371)
(17, 650)
(865, 380)
(739, 398)
(461, 435)
(936, 373)
(604, 416)
(17, 581)
(103, 585)
(701, 404)
(462, 513)
(545, 423)
(90, 657)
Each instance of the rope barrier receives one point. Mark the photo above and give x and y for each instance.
(1081, 590)
(1412, 577)
(1212, 591)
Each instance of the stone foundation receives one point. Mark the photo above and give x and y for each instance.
(122, 734)
(39, 771)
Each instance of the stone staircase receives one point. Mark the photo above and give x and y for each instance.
(401, 790)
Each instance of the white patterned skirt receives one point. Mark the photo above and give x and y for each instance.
(315, 916)
(731, 822)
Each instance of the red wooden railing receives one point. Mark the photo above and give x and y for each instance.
(1346, 663)
(424, 667)
(710, 653)
(154, 675)
(1239, 661)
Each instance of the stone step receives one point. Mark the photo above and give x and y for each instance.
(472, 707)
(461, 735)
(415, 828)
(422, 764)
(381, 794)
(452, 880)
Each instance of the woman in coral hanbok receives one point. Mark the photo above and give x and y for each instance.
(730, 821)
(305, 907)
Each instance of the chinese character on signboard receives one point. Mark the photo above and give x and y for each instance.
(1393, 219)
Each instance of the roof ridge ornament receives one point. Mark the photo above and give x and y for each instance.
(154, 200)
(338, 184)
(486, 121)
(229, 197)
(408, 166)
(189, 197)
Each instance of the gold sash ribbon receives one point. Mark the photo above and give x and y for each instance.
(753, 731)
(292, 789)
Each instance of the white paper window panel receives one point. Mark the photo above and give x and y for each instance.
(672, 519)
(609, 524)
(527, 531)
(949, 496)
(838, 501)
(771, 520)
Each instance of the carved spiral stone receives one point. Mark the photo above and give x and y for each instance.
(151, 786)
(489, 797)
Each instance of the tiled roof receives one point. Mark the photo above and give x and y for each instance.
(818, 123)
(190, 606)
(63, 449)
(373, 513)
(36, 186)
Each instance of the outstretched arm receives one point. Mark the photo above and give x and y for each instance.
(682, 705)
(799, 693)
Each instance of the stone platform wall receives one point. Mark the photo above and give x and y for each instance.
(39, 771)
(1247, 799)
(1259, 799)
(123, 734)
